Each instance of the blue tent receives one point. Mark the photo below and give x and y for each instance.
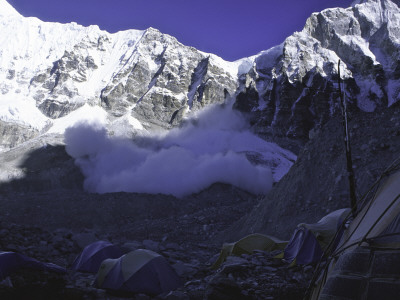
(303, 247)
(309, 241)
(139, 271)
(93, 255)
(11, 262)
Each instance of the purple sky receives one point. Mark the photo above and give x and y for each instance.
(231, 29)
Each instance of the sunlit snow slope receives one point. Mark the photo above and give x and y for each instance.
(115, 96)
(141, 79)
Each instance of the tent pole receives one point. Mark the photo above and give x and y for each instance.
(350, 170)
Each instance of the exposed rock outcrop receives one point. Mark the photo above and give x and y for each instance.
(293, 87)
(145, 76)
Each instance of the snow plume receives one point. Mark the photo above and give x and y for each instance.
(215, 146)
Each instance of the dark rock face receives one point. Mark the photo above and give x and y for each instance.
(54, 109)
(296, 82)
(156, 77)
(55, 84)
(289, 89)
(10, 74)
(181, 79)
(142, 75)
(317, 183)
(12, 134)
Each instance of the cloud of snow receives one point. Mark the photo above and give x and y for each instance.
(215, 146)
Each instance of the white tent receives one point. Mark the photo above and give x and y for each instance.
(366, 264)
(377, 216)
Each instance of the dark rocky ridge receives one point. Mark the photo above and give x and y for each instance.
(152, 94)
(295, 103)
(289, 89)
(293, 87)
(52, 220)
(12, 134)
(317, 183)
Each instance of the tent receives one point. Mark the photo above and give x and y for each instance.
(93, 255)
(366, 263)
(247, 245)
(139, 271)
(309, 241)
(11, 262)
(378, 219)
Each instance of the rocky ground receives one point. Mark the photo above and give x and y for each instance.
(46, 215)
(318, 182)
(186, 236)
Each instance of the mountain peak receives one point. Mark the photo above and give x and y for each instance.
(7, 10)
(355, 2)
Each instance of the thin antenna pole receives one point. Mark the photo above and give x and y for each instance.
(350, 170)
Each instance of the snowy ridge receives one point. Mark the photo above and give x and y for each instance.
(153, 79)
(30, 47)
(108, 95)
(292, 87)
(6, 10)
(49, 76)
(365, 37)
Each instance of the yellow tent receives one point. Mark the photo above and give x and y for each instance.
(247, 245)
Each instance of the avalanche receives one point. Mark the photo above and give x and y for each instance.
(217, 146)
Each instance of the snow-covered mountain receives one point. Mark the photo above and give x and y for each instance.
(52, 74)
(131, 83)
(293, 86)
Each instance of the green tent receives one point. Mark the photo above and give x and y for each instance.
(139, 271)
(247, 245)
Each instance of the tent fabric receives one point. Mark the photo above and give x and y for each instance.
(303, 247)
(309, 241)
(390, 237)
(139, 271)
(94, 254)
(325, 229)
(247, 245)
(370, 247)
(11, 262)
(377, 215)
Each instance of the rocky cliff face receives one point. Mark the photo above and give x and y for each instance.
(293, 90)
(148, 80)
(293, 87)
(54, 74)
(141, 79)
